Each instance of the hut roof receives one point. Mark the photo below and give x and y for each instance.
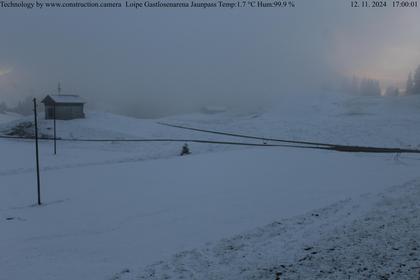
(61, 99)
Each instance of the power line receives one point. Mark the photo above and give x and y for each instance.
(332, 147)
(155, 140)
(290, 143)
(326, 146)
(246, 136)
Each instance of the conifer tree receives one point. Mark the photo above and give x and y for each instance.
(409, 86)
(416, 81)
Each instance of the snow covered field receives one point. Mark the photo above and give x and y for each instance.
(113, 209)
(369, 237)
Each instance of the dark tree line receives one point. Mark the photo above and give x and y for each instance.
(365, 86)
(24, 107)
(413, 82)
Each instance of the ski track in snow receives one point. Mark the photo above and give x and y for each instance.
(371, 237)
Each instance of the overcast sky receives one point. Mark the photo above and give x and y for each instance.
(157, 61)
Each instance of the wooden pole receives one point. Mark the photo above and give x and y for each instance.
(55, 133)
(37, 153)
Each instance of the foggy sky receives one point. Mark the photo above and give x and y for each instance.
(160, 61)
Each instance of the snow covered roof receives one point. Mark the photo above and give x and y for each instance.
(64, 98)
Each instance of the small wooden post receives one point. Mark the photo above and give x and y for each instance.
(37, 153)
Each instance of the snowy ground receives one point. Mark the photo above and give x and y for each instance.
(8, 117)
(369, 237)
(330, 118)
(113, 209)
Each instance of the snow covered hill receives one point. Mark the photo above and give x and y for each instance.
(326, 117)
(112, 209)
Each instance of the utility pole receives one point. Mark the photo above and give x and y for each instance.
(37, 153)
(55, 133)
(55, 121)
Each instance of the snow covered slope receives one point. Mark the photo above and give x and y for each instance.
(109, 210)
(325, 117)
(103, 219)
(369, 237)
